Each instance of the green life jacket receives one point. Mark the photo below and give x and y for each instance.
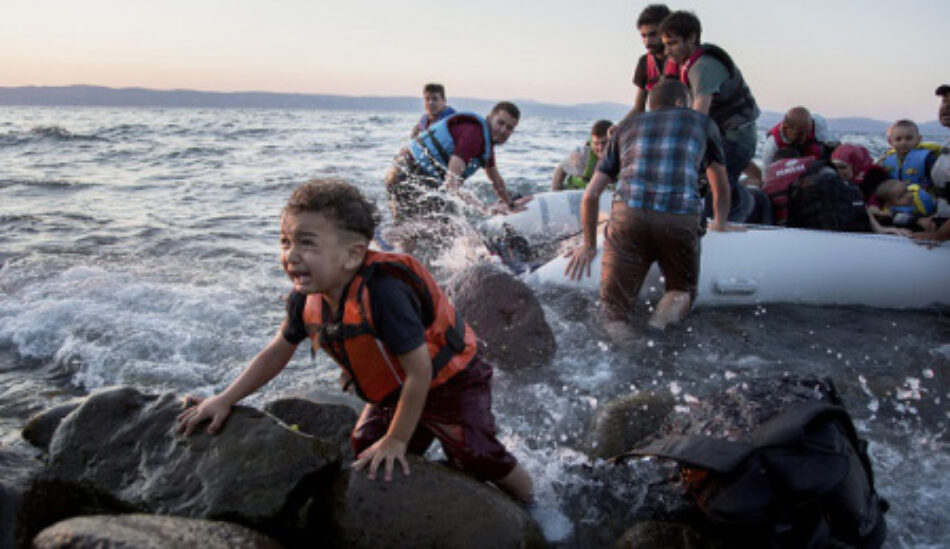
(579, 182)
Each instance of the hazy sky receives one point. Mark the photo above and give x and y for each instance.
(838, 57)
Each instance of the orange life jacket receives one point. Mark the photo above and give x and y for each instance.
(352, 341)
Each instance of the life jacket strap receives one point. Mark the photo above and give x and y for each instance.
(443, 154)
(454, 344)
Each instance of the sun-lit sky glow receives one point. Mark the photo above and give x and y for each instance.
(843, 58)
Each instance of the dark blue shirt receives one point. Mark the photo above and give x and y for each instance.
(397, 315)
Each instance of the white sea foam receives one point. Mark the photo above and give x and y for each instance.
(111, 327)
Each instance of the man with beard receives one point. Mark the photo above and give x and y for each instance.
(444, 156)
(719, 90)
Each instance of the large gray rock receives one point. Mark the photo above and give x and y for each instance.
(505, 314)
(123, 444)
(149, 532)
(623, 422)
(332, 422)
(39, 429)
(434, 506)
(17, 471)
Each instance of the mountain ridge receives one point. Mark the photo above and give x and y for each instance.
(102, 96)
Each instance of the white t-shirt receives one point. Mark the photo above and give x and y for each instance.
(940, 174)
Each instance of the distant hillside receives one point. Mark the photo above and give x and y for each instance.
(101, 96)
(98, 96)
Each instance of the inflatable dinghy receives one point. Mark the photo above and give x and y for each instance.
(548, 216)
(780, 265)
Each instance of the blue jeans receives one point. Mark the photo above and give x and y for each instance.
(745, 206)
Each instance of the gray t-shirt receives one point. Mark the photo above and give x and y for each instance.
(707, 75)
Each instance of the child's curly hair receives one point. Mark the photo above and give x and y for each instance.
(342, 203)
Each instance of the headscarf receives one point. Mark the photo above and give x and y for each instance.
(856, 156)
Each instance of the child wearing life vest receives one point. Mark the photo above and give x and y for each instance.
(909, 160)
(403, 347)
(907, 205)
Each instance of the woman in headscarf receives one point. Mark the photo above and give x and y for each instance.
(854, 164)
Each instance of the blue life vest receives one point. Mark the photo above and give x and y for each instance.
(424, 123)
(924, 205)
(433, 148)
(913, 169)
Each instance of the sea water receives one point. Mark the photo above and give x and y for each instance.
(140, 247)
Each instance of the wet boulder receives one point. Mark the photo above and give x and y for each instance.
(435, 506)
(122, 446)
(505, 314)
(332, 422)
(625, 421)
(17, 471)
(147, 532)
(39, 429)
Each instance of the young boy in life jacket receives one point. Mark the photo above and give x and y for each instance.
(909, 160)
(401, 344)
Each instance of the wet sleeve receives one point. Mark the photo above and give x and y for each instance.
(397, 314)
(293, 328)
(609, 163)
(640, 73)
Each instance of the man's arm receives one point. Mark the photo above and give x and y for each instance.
(754, 172)
(639, 106)
(557, 183)
(719, 184)
(582, 255)
(702, 103)
(412, 399)
(453, 183)
(941, 234)
(262, 368)
(639, 103)
(498, 183)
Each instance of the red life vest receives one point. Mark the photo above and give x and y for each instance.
(779, 176)
(351, 340)
(670, 68)
(684, 70)
(810, 147)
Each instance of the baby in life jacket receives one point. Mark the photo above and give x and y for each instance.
(906, 205)
(909, 159)
(402, 346)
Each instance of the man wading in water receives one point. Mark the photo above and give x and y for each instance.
(657, 215)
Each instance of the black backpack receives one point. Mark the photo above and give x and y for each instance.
(804, 480)
(821, 199)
